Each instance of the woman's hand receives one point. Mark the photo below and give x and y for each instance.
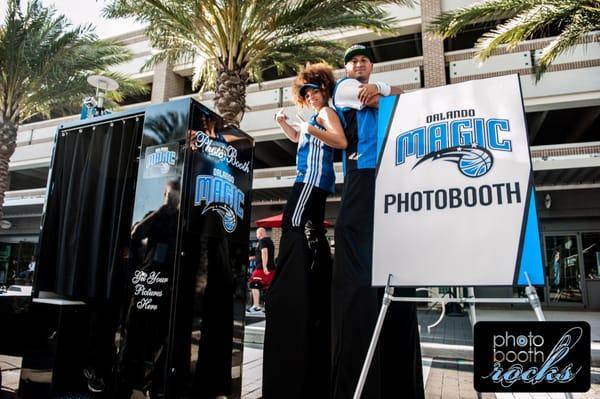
(280, 117)
(282, 120)
(333, 134)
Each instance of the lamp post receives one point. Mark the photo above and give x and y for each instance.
(95, 106)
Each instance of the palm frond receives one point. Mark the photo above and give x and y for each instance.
(244, 36)
(449, 24)
(583, 22)
(44, 62)
(521, 27)
(525, 20)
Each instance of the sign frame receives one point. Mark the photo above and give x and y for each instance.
(525, 254)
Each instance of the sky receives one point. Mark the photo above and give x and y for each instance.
(86, 11)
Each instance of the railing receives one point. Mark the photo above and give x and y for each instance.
(583, 150)
(538, 153)
(583, 57)
(43, 131)
(542, 157)
(405, 73)
(286, 171)
(25, 197)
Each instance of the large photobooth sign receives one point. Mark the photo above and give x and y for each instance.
(454, 197)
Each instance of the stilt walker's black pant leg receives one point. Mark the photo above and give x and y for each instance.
(296, 350)
(400, 349)
(286, 333)
(213, 370)
(395, 371)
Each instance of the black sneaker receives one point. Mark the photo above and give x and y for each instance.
(95, 384)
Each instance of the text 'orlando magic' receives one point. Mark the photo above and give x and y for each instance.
(460, 138)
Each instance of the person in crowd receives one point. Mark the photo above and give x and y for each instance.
(396, 366)
(297, 330)
(556, 268)
(28, 273)
(262, 276)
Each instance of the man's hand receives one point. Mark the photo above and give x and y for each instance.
(373, 102)
(366, 92)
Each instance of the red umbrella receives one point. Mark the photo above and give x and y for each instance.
(275, 221)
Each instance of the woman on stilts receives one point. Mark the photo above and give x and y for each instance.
(296, 360)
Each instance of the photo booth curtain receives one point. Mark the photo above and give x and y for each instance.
(88, 213)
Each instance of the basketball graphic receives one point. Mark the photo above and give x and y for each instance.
(475, 162)
(227, 215)
(164, 168)
(472, 161)
(229, 220)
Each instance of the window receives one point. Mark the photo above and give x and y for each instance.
(591, 255)
(26, 179)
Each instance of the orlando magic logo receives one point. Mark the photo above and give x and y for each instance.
(467, 142)
(162, 158)
(471, 161)
(227, 215)
(222, 196)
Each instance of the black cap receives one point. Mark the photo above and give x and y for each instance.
(306, 86)
(357, 49)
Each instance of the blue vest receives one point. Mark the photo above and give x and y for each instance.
(314, 161)
(360, 128)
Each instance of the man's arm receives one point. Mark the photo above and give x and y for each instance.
(370, 93)
(396, 91)
(264, 255)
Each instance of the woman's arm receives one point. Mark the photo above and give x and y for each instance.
(287, 129)
(333, 135)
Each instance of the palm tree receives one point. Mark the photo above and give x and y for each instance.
(44, 63)
(234, 41)
(524, 19)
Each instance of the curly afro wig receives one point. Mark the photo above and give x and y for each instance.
(319, 74)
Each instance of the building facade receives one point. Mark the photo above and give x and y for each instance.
(563, 117)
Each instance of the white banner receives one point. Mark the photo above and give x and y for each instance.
(454, 203)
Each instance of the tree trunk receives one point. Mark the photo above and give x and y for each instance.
(8, 143)
(230, 95)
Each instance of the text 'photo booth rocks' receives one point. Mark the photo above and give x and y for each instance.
(140, 284)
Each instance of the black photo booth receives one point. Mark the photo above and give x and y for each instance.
(140, 282)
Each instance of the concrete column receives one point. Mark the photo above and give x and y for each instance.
(166, 83)
(433, 46)
(276, 237)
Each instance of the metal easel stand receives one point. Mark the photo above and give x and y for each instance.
(388, 298)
